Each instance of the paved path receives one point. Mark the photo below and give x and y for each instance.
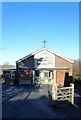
(33, 102)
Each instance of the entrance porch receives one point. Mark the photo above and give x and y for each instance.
(51, 75)
(44, 76)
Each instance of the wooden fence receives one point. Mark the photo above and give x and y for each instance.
(62, 93)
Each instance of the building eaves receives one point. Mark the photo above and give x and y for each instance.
(39, 50)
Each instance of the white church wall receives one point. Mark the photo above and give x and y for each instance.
(44, 59)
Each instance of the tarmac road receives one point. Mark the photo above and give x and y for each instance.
(33, 102)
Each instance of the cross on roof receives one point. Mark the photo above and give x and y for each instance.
(44, 42)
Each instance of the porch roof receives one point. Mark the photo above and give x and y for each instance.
(55, 68)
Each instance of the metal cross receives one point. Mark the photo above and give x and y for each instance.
(44, 42)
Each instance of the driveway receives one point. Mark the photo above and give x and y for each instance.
(33, 102)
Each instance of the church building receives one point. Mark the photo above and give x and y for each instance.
(43, 67)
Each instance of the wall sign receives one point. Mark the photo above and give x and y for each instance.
(44, 59)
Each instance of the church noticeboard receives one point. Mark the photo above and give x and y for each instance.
(44, 59)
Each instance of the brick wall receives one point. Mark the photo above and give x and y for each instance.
(60, 76)
(59, 62)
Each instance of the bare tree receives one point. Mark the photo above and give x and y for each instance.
(77, 69)
(7, 65)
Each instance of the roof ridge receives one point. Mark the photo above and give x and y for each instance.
(53, 52)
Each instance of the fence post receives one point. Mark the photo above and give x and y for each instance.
(72, 97)
(54, 91)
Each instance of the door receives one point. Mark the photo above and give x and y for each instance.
(46, 76)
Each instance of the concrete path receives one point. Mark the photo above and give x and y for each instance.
(33, 102)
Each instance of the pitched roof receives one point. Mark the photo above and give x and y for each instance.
(39, 50)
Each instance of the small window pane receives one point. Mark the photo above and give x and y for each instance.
(46, 74)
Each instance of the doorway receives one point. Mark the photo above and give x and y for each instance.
(46, 76)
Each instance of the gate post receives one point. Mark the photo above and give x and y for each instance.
(54, 91)
(72, 97)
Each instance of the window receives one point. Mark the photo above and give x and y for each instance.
(37, 73)
(13, 76)
(46, 74)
